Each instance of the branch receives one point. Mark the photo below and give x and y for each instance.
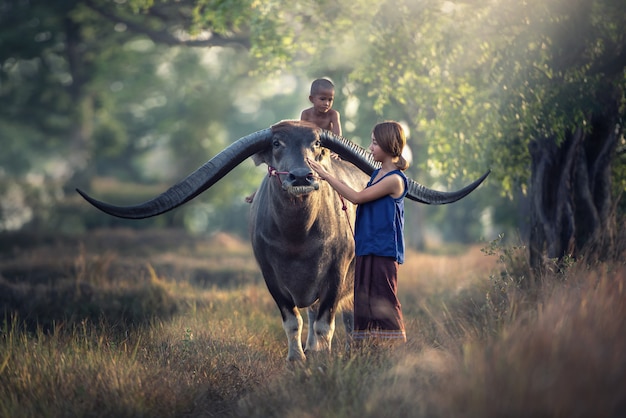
(164, 37)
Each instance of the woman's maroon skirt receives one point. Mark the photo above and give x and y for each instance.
(377, 310)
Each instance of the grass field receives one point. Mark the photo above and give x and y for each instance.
(120, 323)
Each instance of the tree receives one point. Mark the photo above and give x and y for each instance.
(60, 58)
(568, 107)
(80, 78)
(533, 89)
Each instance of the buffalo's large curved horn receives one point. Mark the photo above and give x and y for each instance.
(194, 184)
(363, 159)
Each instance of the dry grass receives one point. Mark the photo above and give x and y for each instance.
(114, 324)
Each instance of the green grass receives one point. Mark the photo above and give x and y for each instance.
(113, 324)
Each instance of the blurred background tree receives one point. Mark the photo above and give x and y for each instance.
(123, 98)
(534, 90)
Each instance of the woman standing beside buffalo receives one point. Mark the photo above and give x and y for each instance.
(379, 237)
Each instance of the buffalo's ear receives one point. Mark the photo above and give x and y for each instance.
(261, 157)
(258, 158)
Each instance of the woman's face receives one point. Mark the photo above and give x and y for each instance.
(375, 149)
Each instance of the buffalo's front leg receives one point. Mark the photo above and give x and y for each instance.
(321, 330)
(292, 324)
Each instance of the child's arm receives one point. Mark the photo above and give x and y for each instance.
(305, 115)
(335, 123)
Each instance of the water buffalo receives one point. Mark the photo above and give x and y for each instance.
(299, 226)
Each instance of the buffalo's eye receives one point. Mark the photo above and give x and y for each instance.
(276, 143)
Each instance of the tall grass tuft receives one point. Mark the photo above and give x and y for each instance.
(564, 358)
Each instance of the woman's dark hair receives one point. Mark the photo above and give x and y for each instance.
(390, 137)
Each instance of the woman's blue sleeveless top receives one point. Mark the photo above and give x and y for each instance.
(379, 228)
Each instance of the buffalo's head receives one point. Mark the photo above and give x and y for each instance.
(292, 143)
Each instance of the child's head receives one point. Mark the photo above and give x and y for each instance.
(391, 139)
(322, 95)
(322, 85)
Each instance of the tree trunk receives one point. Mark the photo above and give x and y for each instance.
(570, 194)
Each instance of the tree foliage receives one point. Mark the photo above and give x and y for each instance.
(533, 89)
(103, 88)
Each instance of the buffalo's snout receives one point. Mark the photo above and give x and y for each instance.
(300, 181)
(301, 177)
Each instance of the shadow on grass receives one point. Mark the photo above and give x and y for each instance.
(110, 276)
(45, 306)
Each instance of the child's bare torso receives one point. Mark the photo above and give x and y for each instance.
(323, 120)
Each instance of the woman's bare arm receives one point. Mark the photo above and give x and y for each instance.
(390, 185)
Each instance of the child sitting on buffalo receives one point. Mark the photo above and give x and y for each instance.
(322, 96)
